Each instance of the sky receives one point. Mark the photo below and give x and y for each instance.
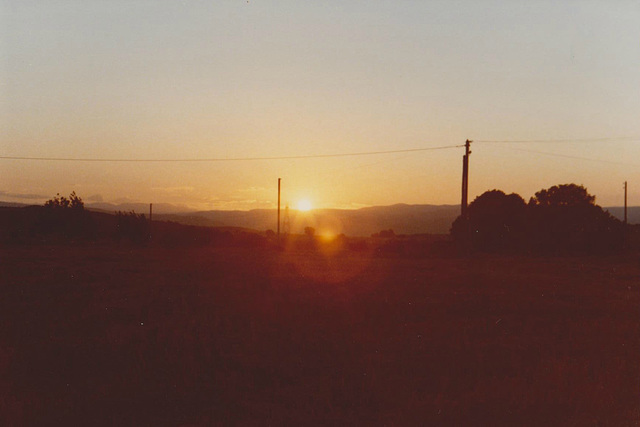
(230, 79)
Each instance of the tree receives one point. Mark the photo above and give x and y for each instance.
(563, 218)
(58, 202)
(495, 221)
(309, 231)
(563, 195)
(66, 217)
(566, 218)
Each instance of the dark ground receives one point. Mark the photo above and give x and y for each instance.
(113, 335)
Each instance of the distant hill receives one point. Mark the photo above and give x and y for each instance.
(12, 205)
(143, 208)
(401, 218)
(633, 213)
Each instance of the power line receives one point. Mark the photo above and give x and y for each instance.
(576, 157)
(524, 141)
(227, 159)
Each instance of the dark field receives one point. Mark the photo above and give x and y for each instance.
(106, 335)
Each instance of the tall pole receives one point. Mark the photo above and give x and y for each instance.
(150, 219)
(279, 207)
(465, 179)
(625, 203)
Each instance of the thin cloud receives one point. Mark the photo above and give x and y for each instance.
(239, 204)
(251, 190)
(174, 189)
(25, 196)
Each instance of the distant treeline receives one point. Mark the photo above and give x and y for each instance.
(63, 220)
(560, 219)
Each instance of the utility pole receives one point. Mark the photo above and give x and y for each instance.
(279, 207)
(465, 179)
(625, 203)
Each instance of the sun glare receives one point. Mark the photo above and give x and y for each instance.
(304, 205)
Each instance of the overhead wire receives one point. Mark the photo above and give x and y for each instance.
(226, 159)
(335, 155)
(565, 140)
(568, 156)
(524, 141)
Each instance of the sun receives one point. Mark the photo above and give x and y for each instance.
(304, 205)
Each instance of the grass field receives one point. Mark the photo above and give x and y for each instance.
(117, 335)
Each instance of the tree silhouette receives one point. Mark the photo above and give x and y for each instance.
(563, 218)
(495, 221)
(563, 195)
(566, 218)
(58, 202)
(66, 217)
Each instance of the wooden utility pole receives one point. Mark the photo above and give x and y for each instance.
(150, 219)
(279, 207)
(465, 179)
(625, 203)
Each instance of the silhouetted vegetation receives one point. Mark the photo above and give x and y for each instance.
(566, 218)
(560, 219)
(61, 202)
(59, 222)
(496, 221)
(64, 218)
(384, 234)
(132, 227)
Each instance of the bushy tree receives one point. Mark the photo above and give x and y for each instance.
(495, 221)
(563, 195)
(566, 218)
(132, 227)
(66, 217)
(61, 202)
(562, 218)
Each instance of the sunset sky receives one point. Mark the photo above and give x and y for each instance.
(231, 79)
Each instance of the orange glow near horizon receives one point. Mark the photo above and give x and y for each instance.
(327, 235)
(304, 205)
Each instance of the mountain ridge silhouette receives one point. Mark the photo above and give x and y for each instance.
(402, 218)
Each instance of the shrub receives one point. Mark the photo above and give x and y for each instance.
(132, 227)
(66, 218)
